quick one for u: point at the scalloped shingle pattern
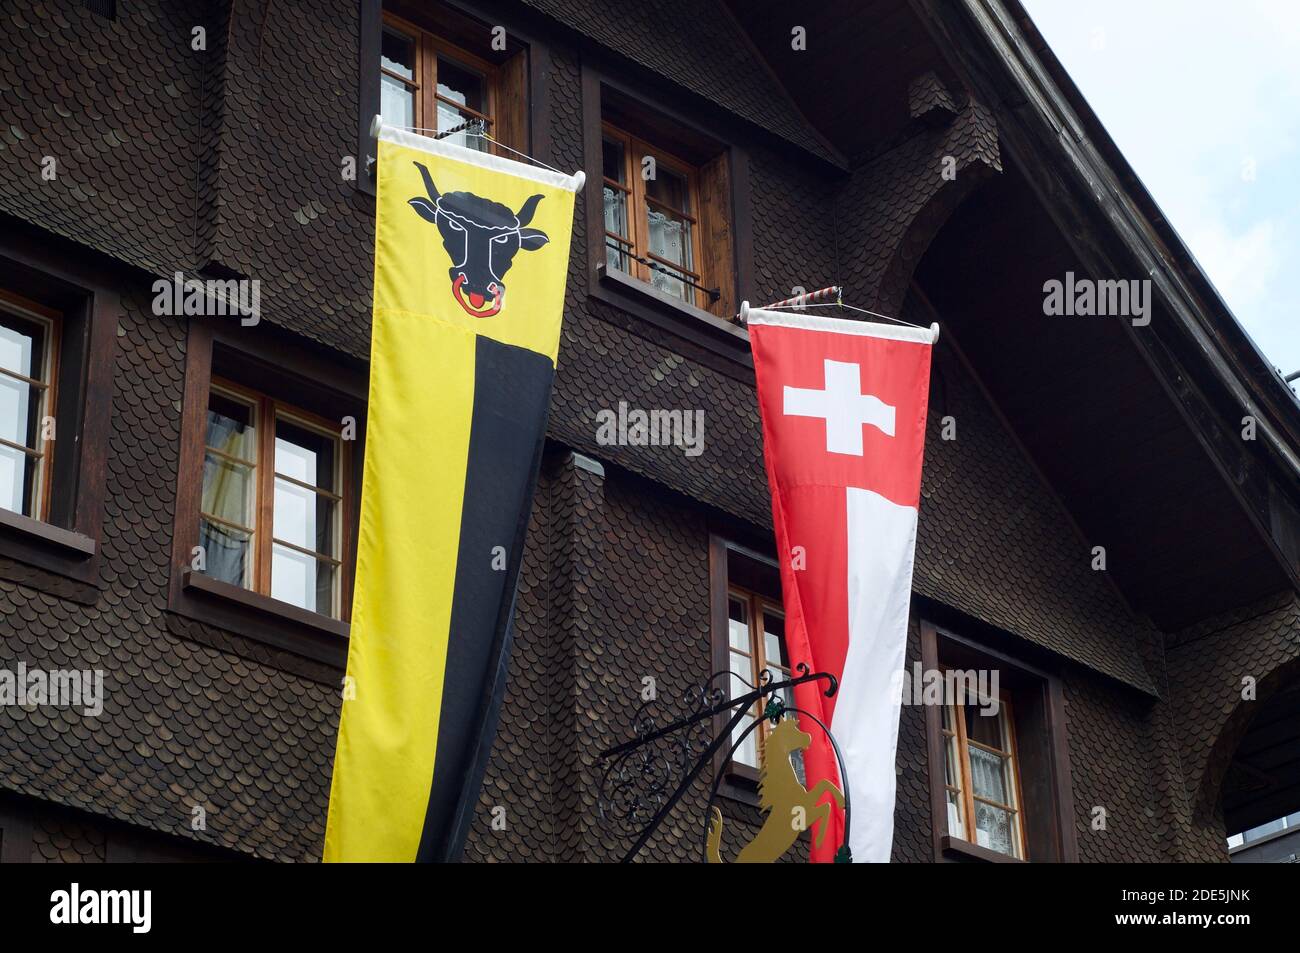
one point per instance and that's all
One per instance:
(57, 840)
(697, 45)
(1206, 667)
(183, 724)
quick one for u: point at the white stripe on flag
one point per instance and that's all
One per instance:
(881, 546)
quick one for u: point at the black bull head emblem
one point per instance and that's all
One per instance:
(481, 238)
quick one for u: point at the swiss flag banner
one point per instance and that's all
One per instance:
(843, 405)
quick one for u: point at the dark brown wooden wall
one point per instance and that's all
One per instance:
(172, 160)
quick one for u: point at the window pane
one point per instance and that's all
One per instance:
(668, 189)
(669, 239)
(618, 255)
(462, 87)
(228, 553)
(956, 826)
(304, 518)
(397, 54)
(19, 411)
(17, 481)
(616, 252)
(302, 580)
(986, 729)
(738, 625)
(670, 233)
(951, 768)
(396, 98)
(774, 638)
(747, 753)
(22, 346)
(22, 351)
(796, 759)
(230, 427)
(994, 829)
(613, 161)
(989, 776)
(305, 455)
(741, 669)
(228, 490)
(396, 102)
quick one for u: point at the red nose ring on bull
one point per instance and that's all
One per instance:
(475, 304)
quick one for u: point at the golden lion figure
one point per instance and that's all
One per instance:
(790, 806)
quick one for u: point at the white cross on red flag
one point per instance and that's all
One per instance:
(843, 405)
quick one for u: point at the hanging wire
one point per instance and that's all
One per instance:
(849, 307)
(475, 127)
(802, 302)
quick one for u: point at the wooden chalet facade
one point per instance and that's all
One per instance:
(930, 156)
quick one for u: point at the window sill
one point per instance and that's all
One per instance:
(739, 783)
(55, 540)
(672, 315)
(263, 619)
(954, 848)
(55, 560)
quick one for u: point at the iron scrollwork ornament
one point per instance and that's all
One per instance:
(646, 776)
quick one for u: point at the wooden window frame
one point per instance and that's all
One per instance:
(519, 76)
(757, 654)
(738, 781)
(428, 48)
(58, 550)
(1036, 718)
(967, 789)
(635, 151)
(268, 411)
(273, 364)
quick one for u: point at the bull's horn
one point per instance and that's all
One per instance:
(526, 211)
(428, 181)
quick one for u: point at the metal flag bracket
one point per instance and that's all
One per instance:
(830, 297)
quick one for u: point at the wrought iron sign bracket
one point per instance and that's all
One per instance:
(646, 776)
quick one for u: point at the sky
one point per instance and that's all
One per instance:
(1203, 99)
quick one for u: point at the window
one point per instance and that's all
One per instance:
(756, 643)
(747, 625)
(429, 66)
(58, 341)
(28, 346)
(272, 503)
(652, 216)
(663, 188)
(999, 775)
(982, 775)
(430, 85)
(265, 524)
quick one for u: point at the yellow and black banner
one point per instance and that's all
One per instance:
(471, 255)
